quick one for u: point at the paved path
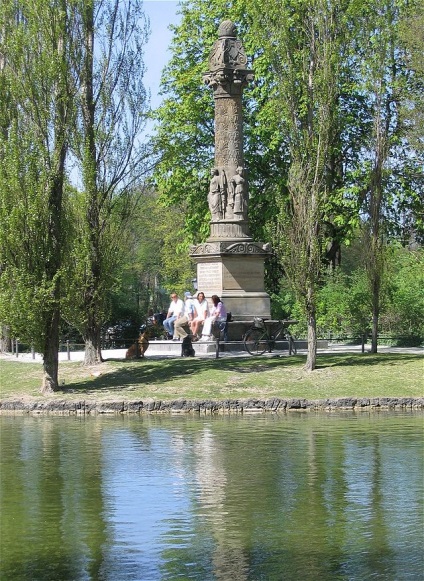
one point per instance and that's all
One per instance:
(153, 353)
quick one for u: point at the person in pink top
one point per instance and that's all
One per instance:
(217, 313)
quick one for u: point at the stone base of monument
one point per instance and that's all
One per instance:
(173, 348)
(243, 306)
(234, 270)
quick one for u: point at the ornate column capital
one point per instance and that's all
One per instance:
(227, 81)
(227, 73)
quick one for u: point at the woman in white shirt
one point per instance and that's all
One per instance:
(218, 313)
(202, 310)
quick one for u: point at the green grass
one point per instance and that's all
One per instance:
(337, 375)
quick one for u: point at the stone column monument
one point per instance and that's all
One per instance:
(230, 264)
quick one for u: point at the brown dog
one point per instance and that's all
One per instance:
(138, 349)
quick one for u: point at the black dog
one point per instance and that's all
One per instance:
(187, 347)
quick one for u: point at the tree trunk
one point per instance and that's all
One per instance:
(50, 382)
(311, 359)
(93, 352)
(375, 315)
(374, 334)
(5, 340)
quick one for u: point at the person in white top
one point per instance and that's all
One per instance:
(202, 310)
(217, 313)
(181, 324)
(176, 308)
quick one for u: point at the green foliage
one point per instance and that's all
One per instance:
(412, 38)
(25, 303)
(276, 36)
(345, 306)
(404, 312)
(78, 284)
(390, 174)
(185, 133)
(154, 260)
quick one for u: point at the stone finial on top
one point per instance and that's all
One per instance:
(227, 28)
(227, 52)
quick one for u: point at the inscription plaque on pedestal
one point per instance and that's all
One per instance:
(209, 277)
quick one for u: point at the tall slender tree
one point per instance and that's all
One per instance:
(111, 155)
(385, 81)
(6, 116)
(36, 45)
(303, 41)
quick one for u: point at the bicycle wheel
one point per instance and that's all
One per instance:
(256, 341)
(292, 345)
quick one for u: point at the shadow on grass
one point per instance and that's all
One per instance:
(163, 371)
(364, 359)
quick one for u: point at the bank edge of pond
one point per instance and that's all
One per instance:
(180, 406)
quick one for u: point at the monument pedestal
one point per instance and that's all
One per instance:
(234, 270)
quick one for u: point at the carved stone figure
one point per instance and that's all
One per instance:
(221, 196)
(224, 192)
(240, 195)
(214, 196)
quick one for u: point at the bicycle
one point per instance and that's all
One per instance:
(258, 337)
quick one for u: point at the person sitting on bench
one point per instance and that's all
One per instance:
(218, 313)
(176, 308)
(202, 310)
(182, 324)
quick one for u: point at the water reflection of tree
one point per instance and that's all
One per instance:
(52, 524)
(306, 498)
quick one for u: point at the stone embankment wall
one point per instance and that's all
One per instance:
(89, 407)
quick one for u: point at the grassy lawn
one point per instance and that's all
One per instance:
(337, 375)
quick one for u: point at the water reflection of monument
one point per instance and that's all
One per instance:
(229, 555)
(230, 264)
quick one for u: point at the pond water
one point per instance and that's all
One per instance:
(296, 496)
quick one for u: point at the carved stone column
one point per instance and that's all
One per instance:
(227, 76)
(230, 264)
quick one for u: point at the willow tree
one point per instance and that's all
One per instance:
(36, 48)
(111, 155)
